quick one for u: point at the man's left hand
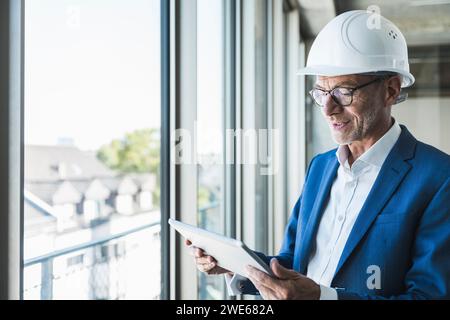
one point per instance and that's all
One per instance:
(288, 284)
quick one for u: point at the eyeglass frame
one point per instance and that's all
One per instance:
(352, 91)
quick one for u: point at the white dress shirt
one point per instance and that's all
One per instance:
(348, 194)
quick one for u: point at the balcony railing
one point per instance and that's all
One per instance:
(125, 265)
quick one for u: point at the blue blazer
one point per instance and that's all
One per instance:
(403, 226)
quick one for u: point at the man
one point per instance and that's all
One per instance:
(373, 220)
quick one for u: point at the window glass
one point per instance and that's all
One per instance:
(210, 106)
(92, 150)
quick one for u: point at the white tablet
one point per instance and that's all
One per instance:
(229, 253)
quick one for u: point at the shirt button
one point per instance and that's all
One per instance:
(340, 218)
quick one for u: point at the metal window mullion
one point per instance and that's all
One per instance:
(230, 117)
(11, 160)
(262, 97)
(279, 122)
(185, 174)
(238, 120)
(270, 125)
(248, 118)
(165, 147)
(173, 276)
(296, 112)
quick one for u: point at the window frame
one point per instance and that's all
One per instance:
(284, 90)
(177, 111)
(183, 197)
(166, 114)
(12, 14)
(285, 112)
(11, 160)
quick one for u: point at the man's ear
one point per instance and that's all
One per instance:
(393, 88)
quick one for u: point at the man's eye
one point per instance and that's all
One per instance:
(343, 92)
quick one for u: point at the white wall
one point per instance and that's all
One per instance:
(428, 119)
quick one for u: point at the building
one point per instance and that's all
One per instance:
(70, 199)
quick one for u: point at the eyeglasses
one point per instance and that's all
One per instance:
(343, 96)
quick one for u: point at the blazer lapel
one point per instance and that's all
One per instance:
(391, 175)
(315, 215)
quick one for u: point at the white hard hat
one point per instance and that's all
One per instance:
(358, 42)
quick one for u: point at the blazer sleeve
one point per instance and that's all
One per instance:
(429, 275)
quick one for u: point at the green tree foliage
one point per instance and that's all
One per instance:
(203, 196)
(137, 152)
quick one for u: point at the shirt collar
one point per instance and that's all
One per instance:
(377, 153)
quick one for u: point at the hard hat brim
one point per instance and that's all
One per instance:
(333, 71)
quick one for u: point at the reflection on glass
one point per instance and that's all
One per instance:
(91, 196)
(210, 99)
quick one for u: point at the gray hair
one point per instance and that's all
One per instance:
(402, 96)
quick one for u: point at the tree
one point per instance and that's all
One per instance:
(137, 152)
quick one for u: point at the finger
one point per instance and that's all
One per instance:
(192, 250)
(206, 267)
(198, 252)
(260, 277)
(205, 260)
(188, 242)
(217, 270)
(269, 286)
(265, 292)
(281, 272)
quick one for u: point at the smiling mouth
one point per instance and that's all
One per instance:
(340, 125)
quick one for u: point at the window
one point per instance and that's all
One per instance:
(92, 141)
(210, 129)
(224, 82)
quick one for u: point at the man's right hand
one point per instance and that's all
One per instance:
(205, 263)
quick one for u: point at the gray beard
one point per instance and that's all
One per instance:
(369, 120)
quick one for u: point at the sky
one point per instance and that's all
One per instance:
(210, 76)
(92, 70)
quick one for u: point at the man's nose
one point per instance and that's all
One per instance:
(329, 105)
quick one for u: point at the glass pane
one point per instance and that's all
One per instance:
(210, 105)
(92, 132)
